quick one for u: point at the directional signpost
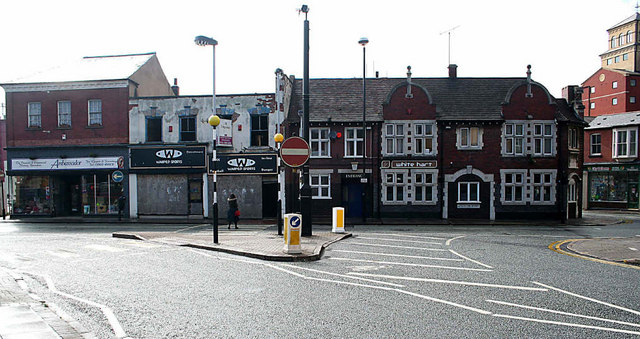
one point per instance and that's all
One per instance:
(295, 152)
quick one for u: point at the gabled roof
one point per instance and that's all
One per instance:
(340, 100)
(634, 17)
(615, 120)
(113, 67)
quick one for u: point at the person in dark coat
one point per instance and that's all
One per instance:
(233, 214)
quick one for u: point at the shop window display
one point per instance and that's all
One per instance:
(32, 196)
(100, 194)
(608, 186)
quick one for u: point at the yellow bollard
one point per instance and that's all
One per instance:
(338, 220)
(292, 230)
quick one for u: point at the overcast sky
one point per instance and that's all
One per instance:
(561, 39)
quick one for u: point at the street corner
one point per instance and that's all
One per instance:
(624, 252)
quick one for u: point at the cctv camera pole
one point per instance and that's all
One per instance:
(305, 191)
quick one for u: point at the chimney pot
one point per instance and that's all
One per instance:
(175, 88)
(453, 71)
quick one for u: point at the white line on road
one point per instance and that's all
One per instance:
(188, 228)
(355, 284)
(408, 236)
(397, 255)
(111, 317)
(448, 243)
(455, 282)
(566, 324)
(404, 247)
(587, 298)
(104, 248)
(413, 265)
(401, 240)
(343, 275)
(633, 248)
(473, 261)
(563, 313)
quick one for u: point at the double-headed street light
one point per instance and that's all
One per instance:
(214, 121)
(364, 42)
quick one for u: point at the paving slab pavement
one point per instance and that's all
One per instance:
(260, 243)
(620, 250)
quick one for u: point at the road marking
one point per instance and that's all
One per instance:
(105, 248)
(404, 247)
(63, 254)
(454, 282)
(408, 236)
(398, 255)
(401, 240)
(384, 288)
(555, 246)
(473, 261)
(344, 275)
(588, 298)
(189, 228)
(413, 265)
(633, 248)
(566, 324)
(111, 317)
(448, 243)
(563, 313)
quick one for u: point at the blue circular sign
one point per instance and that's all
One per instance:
(294, 222)
(117, 176)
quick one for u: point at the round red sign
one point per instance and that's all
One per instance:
(295, 152)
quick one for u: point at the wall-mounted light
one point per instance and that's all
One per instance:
(64, 136)
(354, 166)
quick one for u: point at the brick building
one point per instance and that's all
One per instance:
(482, 148)
(67, 133)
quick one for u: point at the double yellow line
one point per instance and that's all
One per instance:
(556, 248)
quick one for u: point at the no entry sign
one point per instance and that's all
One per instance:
(295, 152)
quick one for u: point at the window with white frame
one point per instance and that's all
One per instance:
(34, 114)
(95, 112)
(394, 135)
(632, 100)
(593, 89)
(614, 101)
(543, 139)
(423, 138)
(513, 186)
(573, 138)
(353, 142)
(469, 138)
(320, 185)
(424, 186)
(514, 138)
(64, 113)
(592, 105)
(320, 145)
(572, 195)
(394, 188)
(543, 188)
(468, 192)
(625, 143)
(596, 144)
(614, 84)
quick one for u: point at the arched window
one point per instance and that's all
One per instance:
(613, 42)
(629, 39)
(621, 39)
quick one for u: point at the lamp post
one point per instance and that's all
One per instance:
(364, 42)
(214, 121)
(305, 190)
(278, 138)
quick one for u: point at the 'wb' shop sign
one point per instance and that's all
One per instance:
(167, 157)
(244, 164)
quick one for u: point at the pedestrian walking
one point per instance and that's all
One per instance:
(121, 203)
(233, 214)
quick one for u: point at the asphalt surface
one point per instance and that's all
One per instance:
(391, 281)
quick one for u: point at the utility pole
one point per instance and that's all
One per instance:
(305, 191)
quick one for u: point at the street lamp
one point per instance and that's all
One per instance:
(364, 42)
(214, 121)
(278, 138)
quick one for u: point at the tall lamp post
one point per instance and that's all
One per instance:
(278, 138)
(364, 42)
(305, 190)
(214, 121)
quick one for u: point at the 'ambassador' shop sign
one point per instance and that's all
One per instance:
(167, 157)
(244, 164)
(67, 164)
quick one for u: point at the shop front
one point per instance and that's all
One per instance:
(613, 186)
(41, 185)
(168, 180)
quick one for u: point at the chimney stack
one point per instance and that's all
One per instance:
(175, 88)
(453, 71)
